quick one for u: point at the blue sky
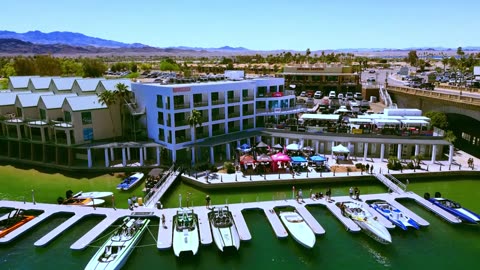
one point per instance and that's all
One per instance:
(260, 24)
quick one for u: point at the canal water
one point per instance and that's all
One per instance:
(439, 246)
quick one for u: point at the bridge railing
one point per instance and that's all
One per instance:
(396, 182)
(433, 94)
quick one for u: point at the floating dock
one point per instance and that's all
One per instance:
(165, 233)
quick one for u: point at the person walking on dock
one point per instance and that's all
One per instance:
(163, 221)
(207, 200)
(350, 192)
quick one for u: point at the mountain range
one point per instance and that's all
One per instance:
(68, 43)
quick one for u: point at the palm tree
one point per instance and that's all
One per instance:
(108, 98)
(195, 120)
(122, 94)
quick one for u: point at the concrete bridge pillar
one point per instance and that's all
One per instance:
(365, 152)
(434, 153)
(399, 151)
(107, 160)
(382, 152)
(89, 157)
(124, 158)
(450, 154)
(212, 155)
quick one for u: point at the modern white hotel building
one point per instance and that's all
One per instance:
(232, 110)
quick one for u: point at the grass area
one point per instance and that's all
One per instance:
(17, 185)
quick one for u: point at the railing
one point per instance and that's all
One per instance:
(396, 181)
(392, 186)
(437, 95)
(248, 98)
(295, 109)
(234, 100)
(156, 188)
(235, 114)
(218, 102)
(200, 104)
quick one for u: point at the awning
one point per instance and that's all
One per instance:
(330, 117)
(298, 159)
(264, 158)
(247, 159)
(293, 147)
(280, 157)
(340, 149)
(317, 158)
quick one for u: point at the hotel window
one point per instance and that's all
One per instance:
(214, 96)
(19, 112)
(245, 93)
(167, 103)
(273, 88)
(160, 118)
(197, 99)
(178, 100)
(280, 88)
(161, 134)
(43, 114)
(86, 118)
(159, 102)
(67, 116)
(88, 134)
(261, 91)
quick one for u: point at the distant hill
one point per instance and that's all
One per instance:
(220, 49)
(11, 46)
(67, 38)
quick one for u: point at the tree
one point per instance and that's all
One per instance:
(71, 67)
(122, 94)
(108, 98)
(416, 160)
(412, 58)
(195, 120)
(93, 68)
(307, 54)
(47, 65)
(438, 119)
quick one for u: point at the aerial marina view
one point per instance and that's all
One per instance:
(246, 144)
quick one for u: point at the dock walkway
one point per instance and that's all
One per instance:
(162, 189)
(435, 209)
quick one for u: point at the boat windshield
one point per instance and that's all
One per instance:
(185, 221)
(450, 204)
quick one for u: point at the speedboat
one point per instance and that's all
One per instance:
(77, 199)
(454, 208)
(224, 231)
(185, 232)
(300, 231)
(366, 221)
(115, 251)
(130, 181)
(94, 194)
(12, 221)
(396, 216)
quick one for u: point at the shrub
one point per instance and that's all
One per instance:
(228, 166)
(394, 163)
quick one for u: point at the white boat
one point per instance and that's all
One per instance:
(185, 232)
(366, 221)
(224, 231)
(115, 251)
(298, 228)
(130, 181)
(93, 194)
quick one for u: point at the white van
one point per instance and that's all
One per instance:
(318, 95)
(332, 94)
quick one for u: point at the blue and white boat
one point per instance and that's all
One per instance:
(454, 208)
(393, 214)
(130, 181)
(115, 251)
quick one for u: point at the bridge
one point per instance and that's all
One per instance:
(427, 100)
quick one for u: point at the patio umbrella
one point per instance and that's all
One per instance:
(264, 158)
(247, 159)
(244, 147)
(262, 145)
(307, 148)
(340, 149)
(278, 146)
(293, 147)
(317, 158)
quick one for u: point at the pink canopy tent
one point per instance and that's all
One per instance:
(247, 159)
(279, 158)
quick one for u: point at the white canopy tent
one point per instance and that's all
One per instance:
(330, 117)
(416, 123)
(340, 149)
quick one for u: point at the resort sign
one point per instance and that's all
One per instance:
(181, 89)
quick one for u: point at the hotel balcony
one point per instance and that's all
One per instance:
(200, 104)
(234, 100)
(180, 106)
(275, 111)
(247, 98)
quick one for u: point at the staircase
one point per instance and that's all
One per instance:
(392, 183)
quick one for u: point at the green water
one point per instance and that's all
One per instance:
(439, 246)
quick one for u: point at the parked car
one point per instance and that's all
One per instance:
(303, 94)
(332, 94)
(340, 96)
(427, 86)
(415, 84)
(357, 96)
(349, 95)
(371, 71)
(318, 95)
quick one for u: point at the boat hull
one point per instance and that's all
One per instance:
(5, 228)
(224, 235)
(185, 239)
(367, 222)
(394, 215)
(127, 246)
(130, 181)
(298, 228)
(460, 212)
(95, 195)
